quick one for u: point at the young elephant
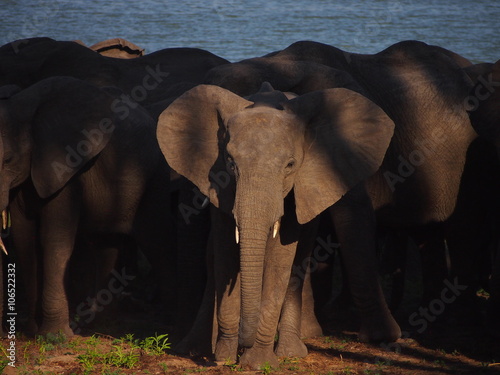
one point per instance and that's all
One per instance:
(269, 166)
(71, 166)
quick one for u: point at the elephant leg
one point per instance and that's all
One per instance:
(493, 309)
(280, 254)
(192, 236)
(201, 338)
(58, 227)
(353, 215)
(297, 315)
(23, 235)
(227, 285)
(309, 324)
(153, 231)
(431, 243)
(393, 263)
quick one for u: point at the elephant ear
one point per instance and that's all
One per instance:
(7, 91)
(71, 124)
(191, 134)
(346, 138)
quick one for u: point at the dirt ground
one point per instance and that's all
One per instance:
(440, 349)
(443, 337)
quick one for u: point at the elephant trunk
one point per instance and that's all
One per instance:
(252, 254)
(256, 210)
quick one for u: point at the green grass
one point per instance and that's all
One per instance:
(124, 353)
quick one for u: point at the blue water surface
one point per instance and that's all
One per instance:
(238, 29)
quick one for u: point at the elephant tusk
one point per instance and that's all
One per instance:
(276, 228)
(237, 234)
(5, 219)
(205, 202)
(2, 246)
(5, 226)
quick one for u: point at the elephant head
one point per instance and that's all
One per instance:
(247, 155)
(49, 132)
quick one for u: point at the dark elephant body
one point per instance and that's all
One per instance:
(73, 167)
(484, 108)
(145, 80)
(423, 90)
(247, 156)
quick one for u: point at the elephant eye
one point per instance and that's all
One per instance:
(8, 159)
(290, 165)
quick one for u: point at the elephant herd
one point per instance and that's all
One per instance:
(221, 174)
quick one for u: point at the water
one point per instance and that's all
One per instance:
(238, 29)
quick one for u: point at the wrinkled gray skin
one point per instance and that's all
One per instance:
(423, 90)
(247, 156)
(72, 167)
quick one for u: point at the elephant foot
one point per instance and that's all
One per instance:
(378, 328)
(290, 345)
(259, 357)
(55, 329)
(226, 349)
(193, 346)
(310, 327)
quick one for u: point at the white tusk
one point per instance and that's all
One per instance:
(2, 246)
(237, 234)
(205, 202)
(5, 219)
(276, 228)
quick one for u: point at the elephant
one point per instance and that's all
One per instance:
(144, 80)
(118, 48)
(74, 167)
(483, 105)
(269, 166)
(423, 89)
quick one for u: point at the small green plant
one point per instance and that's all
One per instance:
(3, 363)
(163, 366)
(290, 363)
(93, 341)
(440, 362)
(127, 339)
(155, 345)
(266, 368)
(89, 360)
(118, 357)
